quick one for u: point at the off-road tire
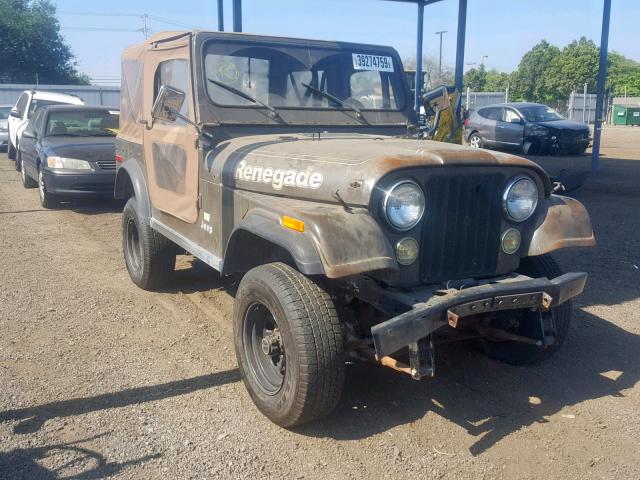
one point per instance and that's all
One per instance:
(47, 200)
(27, 181)
(311, 340)
(11, 150)
(475, 140)
(522, 354)
(150, 258)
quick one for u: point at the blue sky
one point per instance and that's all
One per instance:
(501, 29)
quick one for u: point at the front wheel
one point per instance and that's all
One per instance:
(47, 200)
(530, 324)
(150, 258)
(289, 344)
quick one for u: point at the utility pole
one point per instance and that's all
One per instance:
(145, 26)
(584, 103)
(441, 32)
(483, 58)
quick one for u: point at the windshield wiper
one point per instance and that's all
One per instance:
(342, 103)
(274, 113)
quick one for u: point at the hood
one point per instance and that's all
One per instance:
(304, 167)
(564, 125)
(83, 148)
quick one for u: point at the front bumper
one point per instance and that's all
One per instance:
(439, 310)
(74, 184)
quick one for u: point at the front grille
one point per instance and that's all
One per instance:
(106, 164)
(461, 235)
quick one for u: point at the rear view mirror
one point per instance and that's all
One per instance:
(437, 99)
(168, 104)
(14, 114)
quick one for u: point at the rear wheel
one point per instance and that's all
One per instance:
(11, 150)
(150, 258)
(529, 324)
(475, 140)
(288, 344)
(27, 181)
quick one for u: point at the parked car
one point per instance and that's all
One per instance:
(528, 127)
(27, 104)
(69, 151)
(4, 125)
(354, 239)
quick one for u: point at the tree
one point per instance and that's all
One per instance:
(476, 79)
(574, 66)
(528, 81)
(430, 67)
(31, 45)
(623, 72)
(497, 81)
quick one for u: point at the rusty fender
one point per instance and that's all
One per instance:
(566, 224)
(348, 241)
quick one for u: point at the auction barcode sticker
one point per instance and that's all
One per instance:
(378, 63)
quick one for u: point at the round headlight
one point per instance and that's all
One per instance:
(520, 198)
(404, 205)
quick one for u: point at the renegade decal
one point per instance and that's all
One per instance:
(279, 178)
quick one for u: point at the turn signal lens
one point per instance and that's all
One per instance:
(292, 223)
(407, 251)
(511, 241)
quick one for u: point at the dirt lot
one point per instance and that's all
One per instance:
(100, 379)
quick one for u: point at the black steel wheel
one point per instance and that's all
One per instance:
(529, 323)
(150, 258)
(289, 344)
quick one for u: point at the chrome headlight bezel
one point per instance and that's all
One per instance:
(422, 205)
(507, 191)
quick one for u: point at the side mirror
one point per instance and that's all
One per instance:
(14, 114)
(437, 99)
(30, 134)
(168, 104)
(516, 120)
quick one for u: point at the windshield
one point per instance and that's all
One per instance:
(4, 112)
(540, 113)
(35, 104)
(288, 76)
(98, 123)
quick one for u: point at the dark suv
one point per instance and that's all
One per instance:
(529, 127)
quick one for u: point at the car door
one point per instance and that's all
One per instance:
(29, 145)
(510, 131)
(170, 148)
(489, 123)
(17, 116)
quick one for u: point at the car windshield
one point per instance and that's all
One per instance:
(36, 104)
(4, 112)
(540, 113)
(95, 123)
(289, 76)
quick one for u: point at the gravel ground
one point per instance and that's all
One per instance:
(100, 379)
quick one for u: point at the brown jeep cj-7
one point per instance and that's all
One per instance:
(296, 165)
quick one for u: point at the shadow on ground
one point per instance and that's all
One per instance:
(31, 419)
(68, 461)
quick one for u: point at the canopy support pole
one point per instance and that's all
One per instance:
(221, 15)
(419, 77)
(237, 15)
(602, 77)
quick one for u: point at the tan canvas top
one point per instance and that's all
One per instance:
(132, 108)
